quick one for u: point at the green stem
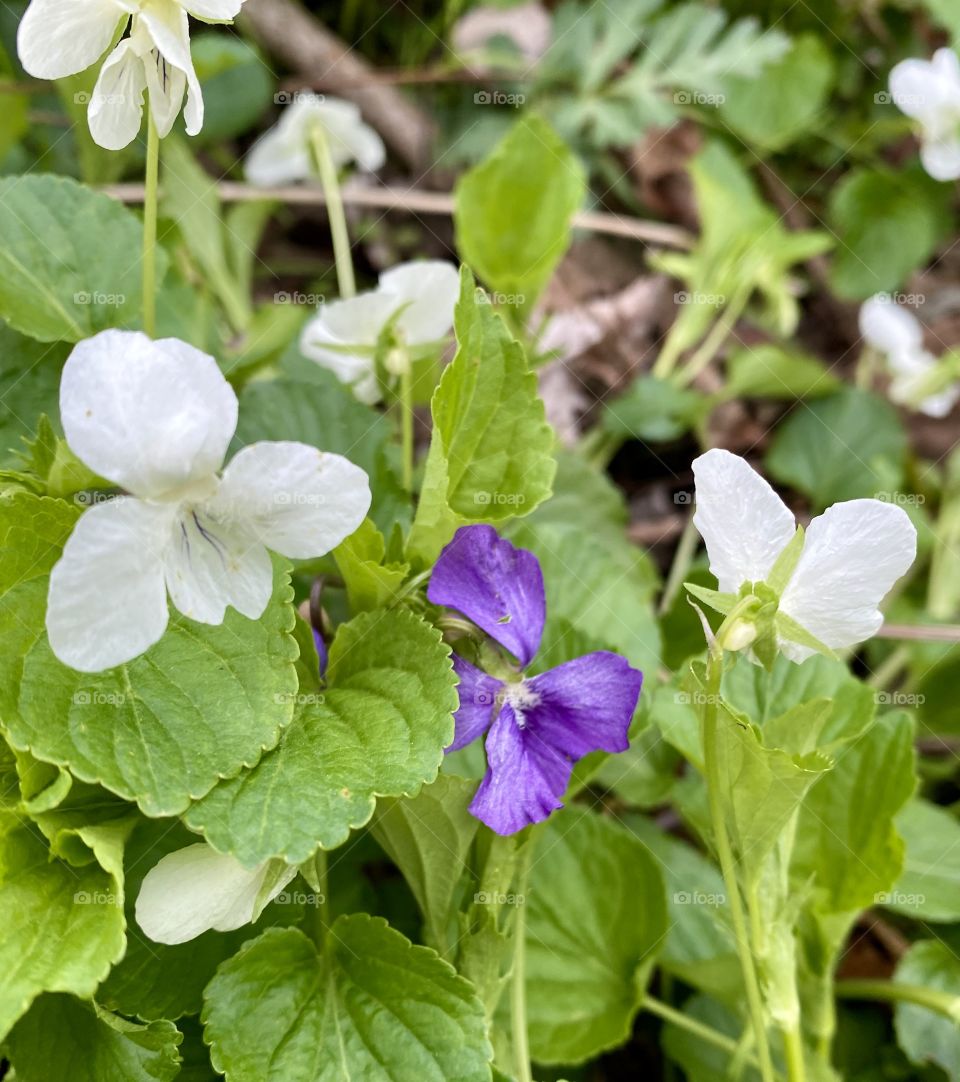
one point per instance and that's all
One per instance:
(151, 186)
(406, 423)
(728, 865)
(714, 340)
(691, 1025)
(338, 221)
(793, 1052)
(518, 976)
(682, 559)
(890, 668)
(892, 992)
(321, 912)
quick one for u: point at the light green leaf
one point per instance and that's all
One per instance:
(771, 371)
(845, 447)
(592, 939)
(926, 1036)
(654, 410)
(490, 456)
(929, 886)
(90, 1045)
(70, 263)
(378, 730)
(372, 1006)
(162, 729)
(63, 926)
(29, 387)
(846, 837)
(428, 838)
(888, 225)
(371, 583)
(238, 87)
(513, 211)
(772, 109)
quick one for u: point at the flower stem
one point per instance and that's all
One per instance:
(682, 559)
(151, 185)
(405, 396)
(892, 992)
(714, 340)
(683, 1021)
(793, 1051)
(320, 921)
(338, 221)
(518, 977)
(727, 863)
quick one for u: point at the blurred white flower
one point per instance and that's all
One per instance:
(852, 554)
(895, 332)
(57, 38)
(928, 91)
(196, 890)
(155, 418)
(419, 297)
(285, 154)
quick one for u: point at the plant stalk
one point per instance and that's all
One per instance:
(518, 976)
(346, 282)
(893, 992)
(151, 189)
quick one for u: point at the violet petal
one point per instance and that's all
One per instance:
(525, 777)
(496, 585)
(478, 693)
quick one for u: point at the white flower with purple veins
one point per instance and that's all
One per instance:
(156, 418)
(57, 38)
(928, 91)
(895, 332)
(825, 592)
(286, 153)
(413, 303)
(196, 890)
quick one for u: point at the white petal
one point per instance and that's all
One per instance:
(278, 157)
(167, 86)
(743, 521)
(357, 321)
(210, 564)
(195, 890)
(917, 88)
(115, 112)
(213, 11)
(888, 327)
(57, 38)
(429, 288)
(149, 416)
(853, 553)
(941, 157)
(348, 137)
(107, 601)
(296, 500)
(169, 29)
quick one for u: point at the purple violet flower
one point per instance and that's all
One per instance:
(537, 727)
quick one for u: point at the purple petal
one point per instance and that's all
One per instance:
(525, 777)
(585, 705)
(496, 585)
(322, 655)
(478, 693)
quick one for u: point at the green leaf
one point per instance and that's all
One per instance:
(513, 211)
(29, 387)
(490, 456)
(70, 261)
(846, 838)
(428, 838)
(238, 87)
(927, 1036)
(91, 1045)
(888, 224)
(372, 1006)
(371, 583)
(162, 729)
(63, 926)
(929, 887)
(771, 371)
(379, 730)
(592, 940)
(655, 410)
(844, 447)
(772, 109)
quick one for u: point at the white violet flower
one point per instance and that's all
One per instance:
(928, 91)
(419, 297)
(895, 332)
(156, 418)
(852, 554)
(196, 890)
(285, 154)
(57, 38)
